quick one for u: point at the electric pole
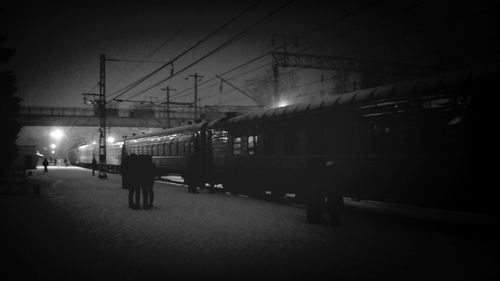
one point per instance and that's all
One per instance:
(286, 40)
(196, 77)
(167, 90)
(101, 103)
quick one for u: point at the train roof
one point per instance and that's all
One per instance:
(90, 145)
(176, 130)
(431, 86)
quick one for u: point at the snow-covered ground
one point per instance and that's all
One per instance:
(81, 228)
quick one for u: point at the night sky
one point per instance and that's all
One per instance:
(58, 44)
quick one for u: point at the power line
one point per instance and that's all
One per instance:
(228, 42)
(136, 83)
(165, 42)
(360, 27)
(320, 27)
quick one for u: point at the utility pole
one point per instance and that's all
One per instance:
(196, 77)
(286, 40)
(101, 103)
(167, 90)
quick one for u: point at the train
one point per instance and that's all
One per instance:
(82, 155)
(416, 142)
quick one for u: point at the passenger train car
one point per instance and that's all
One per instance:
(82, 155)
(415, 142)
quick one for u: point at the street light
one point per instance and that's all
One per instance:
(53, 146)
(57, 134)
(111, 139)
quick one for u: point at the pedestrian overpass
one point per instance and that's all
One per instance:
(149, 117)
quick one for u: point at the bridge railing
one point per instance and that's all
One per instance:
(56, 111)
(176, 112)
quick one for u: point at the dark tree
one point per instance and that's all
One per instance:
(9, 110)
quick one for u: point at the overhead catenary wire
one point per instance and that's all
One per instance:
(152, 53)
(357, 28)
(223, 45)
(320, 27)
(144, 78)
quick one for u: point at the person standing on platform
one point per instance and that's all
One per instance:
(94, 166)
(131, 180)
(45, 163)
(147, 181)
(324, 187)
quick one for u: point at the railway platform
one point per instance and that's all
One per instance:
(80, 228)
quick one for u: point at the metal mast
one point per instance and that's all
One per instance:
(101, 104)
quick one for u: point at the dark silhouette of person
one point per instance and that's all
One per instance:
(147, 173)
(192, 174)
(45, 163)
(131, 180)
(334, 197)
(323, 187)
(94, 166)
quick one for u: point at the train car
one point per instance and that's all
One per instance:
(82, 155)
(178, 151)
(415, 142)
(411, 142)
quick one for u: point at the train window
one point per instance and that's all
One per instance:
(269, 143)
(155, 149)
(160, 149)
(237, 146)
(174, 148)
(166, 149)
(220, 136)
(191, 147)
(182, 148)
(187, 148)
(291, 141)
(252, 145)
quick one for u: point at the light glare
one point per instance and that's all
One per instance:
(57, 134)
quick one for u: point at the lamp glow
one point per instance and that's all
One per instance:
(57, 134)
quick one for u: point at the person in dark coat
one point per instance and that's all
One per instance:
(323, 187)
(94, 166)
(45, 163)
(147, 181)
(130, 167)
